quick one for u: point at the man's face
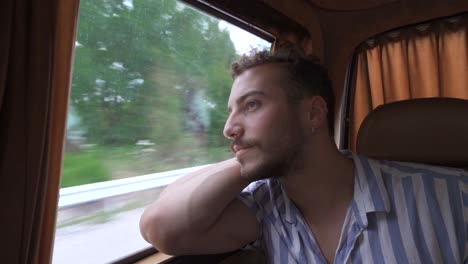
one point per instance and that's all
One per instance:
(264, 127)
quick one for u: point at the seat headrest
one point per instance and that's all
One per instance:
(427, 130)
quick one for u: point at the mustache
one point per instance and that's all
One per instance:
(242, 143)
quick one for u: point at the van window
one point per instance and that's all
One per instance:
(424, 60)
(149, 91)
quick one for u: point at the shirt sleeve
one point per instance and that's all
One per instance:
(253, 196)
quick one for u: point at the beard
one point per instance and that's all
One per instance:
(273, 162)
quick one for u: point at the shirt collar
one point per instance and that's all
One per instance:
(289, 210)
(370, 194)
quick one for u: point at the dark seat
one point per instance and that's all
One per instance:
(427, 130)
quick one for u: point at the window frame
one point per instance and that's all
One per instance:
(66, 28)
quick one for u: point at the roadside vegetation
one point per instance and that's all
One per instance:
(149, 90)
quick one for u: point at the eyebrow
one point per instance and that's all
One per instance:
(243, 97)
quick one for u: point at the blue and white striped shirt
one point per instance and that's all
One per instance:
(400, 213)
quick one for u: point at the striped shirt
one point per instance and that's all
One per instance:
(400, 213)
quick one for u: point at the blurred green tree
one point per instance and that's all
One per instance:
(140, 64)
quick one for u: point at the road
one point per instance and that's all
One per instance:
(99, 242)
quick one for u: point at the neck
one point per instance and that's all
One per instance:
(324, 184)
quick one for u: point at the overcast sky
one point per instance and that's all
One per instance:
(243, 40)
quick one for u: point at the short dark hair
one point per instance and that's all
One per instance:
(305, 72)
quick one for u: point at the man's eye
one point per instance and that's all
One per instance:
(252, 105)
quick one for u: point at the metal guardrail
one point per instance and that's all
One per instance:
(75, 195)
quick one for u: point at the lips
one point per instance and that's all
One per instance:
(237, 148)
(239, 152)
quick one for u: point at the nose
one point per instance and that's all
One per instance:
(233, 128)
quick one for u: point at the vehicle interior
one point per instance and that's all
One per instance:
(398, 67)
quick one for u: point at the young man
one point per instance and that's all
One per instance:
(300, 199)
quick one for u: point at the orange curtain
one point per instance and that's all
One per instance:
(31, 92)
(429, 60)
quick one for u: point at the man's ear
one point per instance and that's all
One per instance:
(317, 110)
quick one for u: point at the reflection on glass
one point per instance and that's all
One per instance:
(149, 92)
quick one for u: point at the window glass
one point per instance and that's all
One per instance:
(148, 103)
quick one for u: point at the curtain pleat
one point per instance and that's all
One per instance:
(423, 67)
(453, 54)
(429, 60)
(5, 24)
(27, 53)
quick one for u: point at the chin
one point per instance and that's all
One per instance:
(249, 169)
(258, 170)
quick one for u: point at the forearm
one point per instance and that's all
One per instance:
(192, 204)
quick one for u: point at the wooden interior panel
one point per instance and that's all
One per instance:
(64, 46)
(346, 5)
